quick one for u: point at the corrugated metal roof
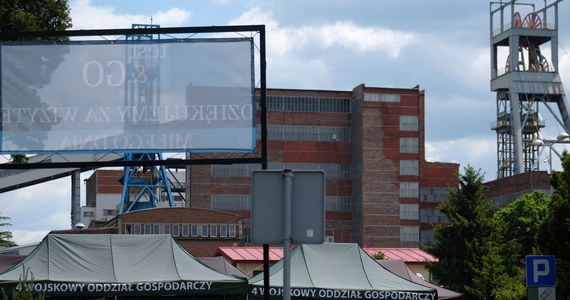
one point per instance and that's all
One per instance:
(255, 254)
(408, 255)
(249, 254)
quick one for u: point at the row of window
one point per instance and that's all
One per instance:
(306, 133)
(307, 104)
(332, 171)
(185, 230)
(331, 133)
(322, 104)
(243, 202)
(381, 97)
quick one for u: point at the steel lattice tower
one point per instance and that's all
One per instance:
(143, 187)
(524, 78)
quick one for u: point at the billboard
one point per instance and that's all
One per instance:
(188, 95)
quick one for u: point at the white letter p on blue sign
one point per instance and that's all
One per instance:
(540, 270)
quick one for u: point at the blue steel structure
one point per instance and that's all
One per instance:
(143, 186)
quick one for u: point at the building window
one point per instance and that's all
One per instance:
(230, 202)
(409, 189)
(204, 231)
(409, 145)
(194, 230)
(175, 230)
(434, 194)
(381, 97)
(307, 104)
(409, 211)
(223, 230)
(409, 233)
(332, 171)
(213, 230)
(128, 229)
(409, 123)
(109, 212)
(156, 229)
(88, 214)
(307, 133)
(409, 167)
(147, 229)
(334, 203)
(232, 232)
(426, 237)
(329, 239)
(166, 229)
(137, 229)
(185, 230)
(430, 215)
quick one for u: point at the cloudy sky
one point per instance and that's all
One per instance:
(441, 45)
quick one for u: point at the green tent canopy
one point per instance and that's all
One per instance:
(338, 271)
(117, 265)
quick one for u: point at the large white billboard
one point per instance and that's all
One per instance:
(192, 95)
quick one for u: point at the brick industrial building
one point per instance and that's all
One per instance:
(380, 190)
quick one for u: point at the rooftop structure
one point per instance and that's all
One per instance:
(525, 77)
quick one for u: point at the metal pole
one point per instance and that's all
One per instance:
(76, 198)
(288, 190)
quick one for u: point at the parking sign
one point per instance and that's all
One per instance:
(540, 270)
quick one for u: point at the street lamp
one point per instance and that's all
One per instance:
(550, 143)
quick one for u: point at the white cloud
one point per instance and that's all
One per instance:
(85, 15)
(343, 34)
(476, 151)
(24, 237)
(35, 210)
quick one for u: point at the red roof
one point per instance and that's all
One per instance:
(249, 254)
(255, 254)
(408, 255)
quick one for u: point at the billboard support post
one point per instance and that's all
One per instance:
(287, 192)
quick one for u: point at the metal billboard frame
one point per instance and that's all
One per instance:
(260, 29)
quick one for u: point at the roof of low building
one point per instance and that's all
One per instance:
(408, 255)
(255, 254)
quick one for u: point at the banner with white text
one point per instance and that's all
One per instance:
(189, 95)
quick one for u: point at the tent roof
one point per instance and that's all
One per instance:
(115, 264)
(7, 261)
(221, 264)
(399, 268)
(335, 270)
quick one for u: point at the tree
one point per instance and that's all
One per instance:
(5, 235)
(521, 222)
(515, 236)
(34, 15)
(555, 237)
(462, 245)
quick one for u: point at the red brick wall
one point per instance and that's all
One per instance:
(197, 246)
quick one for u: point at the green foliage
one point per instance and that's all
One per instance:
(34, 15)
(520, 224)
(19, 158)
(516, 236)
(24, 293)
(481, 253)
(555, 235)
(461, 245)
(5, 235)
(378, 255)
